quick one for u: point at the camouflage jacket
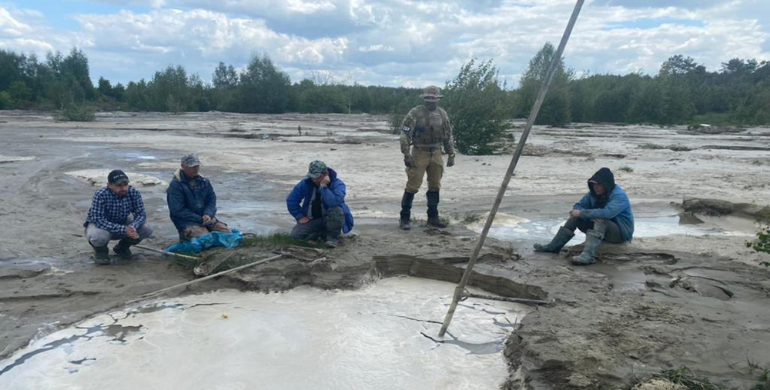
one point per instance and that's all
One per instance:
(426, 128)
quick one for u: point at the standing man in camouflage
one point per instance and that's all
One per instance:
(426, 129)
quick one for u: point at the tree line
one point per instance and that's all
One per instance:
(683, 91)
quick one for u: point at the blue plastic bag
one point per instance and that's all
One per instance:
(211, 240)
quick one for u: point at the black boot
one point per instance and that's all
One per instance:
(406, 211)
(122, 249)
(433, 219)
(101, 254)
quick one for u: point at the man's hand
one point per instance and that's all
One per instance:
(325, 181)
(132, 233)
(450, 162)
(574, 213)
(207, 220)
(304, 220)
(409, 161)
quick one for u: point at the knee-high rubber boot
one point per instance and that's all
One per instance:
(404, 222)
(594, 238)
(101, 254)
(123, 250)
(433, 219)
(562, 238)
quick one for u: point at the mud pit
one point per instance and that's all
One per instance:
(369, 338)
(681, 295)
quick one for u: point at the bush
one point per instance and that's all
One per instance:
(76, 113)
(475, 101)
(762, 244)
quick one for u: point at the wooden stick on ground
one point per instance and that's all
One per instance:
(179, 255)
(514, 161)
(161, 291)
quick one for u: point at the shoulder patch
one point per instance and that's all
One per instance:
(406, 128)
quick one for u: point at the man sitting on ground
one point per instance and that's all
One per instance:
(192, 202)
(604, 214)
(317, 202)
(108, 218)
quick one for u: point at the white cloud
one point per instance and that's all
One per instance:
(401, 42)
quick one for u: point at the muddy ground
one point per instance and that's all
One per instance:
(670, 298)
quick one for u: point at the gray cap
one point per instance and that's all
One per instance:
(316, 169)
(191, 160)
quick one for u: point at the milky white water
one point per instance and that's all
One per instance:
(510, 228)
(373, 338)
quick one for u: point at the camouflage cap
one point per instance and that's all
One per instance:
(316, 169)
(191, 160)
(431, 92)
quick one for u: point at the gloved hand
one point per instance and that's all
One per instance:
(409, 161)
(450, 162)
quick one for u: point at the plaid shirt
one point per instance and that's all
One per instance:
(110, 212)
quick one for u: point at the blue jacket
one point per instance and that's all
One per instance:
(187, 205)
(615, 206)
(333, 195)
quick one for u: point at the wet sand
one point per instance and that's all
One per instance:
(48, 281)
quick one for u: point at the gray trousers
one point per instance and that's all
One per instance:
(610, 229)
(100, 237)
(328, 227)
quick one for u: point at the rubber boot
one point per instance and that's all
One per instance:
(101, 254)
(433, 219)
(123, 248)
(404, 223)
(562, 238)
(593, 240)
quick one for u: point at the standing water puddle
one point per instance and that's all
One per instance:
(379, 337)
(512, 228)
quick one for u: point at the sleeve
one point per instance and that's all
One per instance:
(98, 218)
(584, 203)
(449, 139)
(407, 128)
(176, 205)
(293, 202)
(211, 201)
(336, 196)
(137, 208)
(615, 206)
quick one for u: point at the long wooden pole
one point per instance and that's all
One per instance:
(179, 255)
(519, 149)
(152, 294)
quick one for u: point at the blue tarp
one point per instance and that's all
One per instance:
(211, 240)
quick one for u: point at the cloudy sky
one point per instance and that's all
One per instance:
(385, 42)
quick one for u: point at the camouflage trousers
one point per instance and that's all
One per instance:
(425, 160)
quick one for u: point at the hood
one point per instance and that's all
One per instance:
(604, 177)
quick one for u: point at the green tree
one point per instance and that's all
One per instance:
(263, 87)
(322, 98)
(555, 110)
(475, 101)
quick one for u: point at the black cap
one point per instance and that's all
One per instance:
(117, 177)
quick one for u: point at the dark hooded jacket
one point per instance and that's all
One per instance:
(612, 205)
(188, 204)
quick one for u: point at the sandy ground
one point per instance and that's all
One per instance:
(50, 170)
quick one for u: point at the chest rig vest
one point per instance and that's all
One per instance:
(430, 128)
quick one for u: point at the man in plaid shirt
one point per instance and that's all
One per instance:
(108, 218)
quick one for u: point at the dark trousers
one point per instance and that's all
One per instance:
(327, 227)
(611, 229)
